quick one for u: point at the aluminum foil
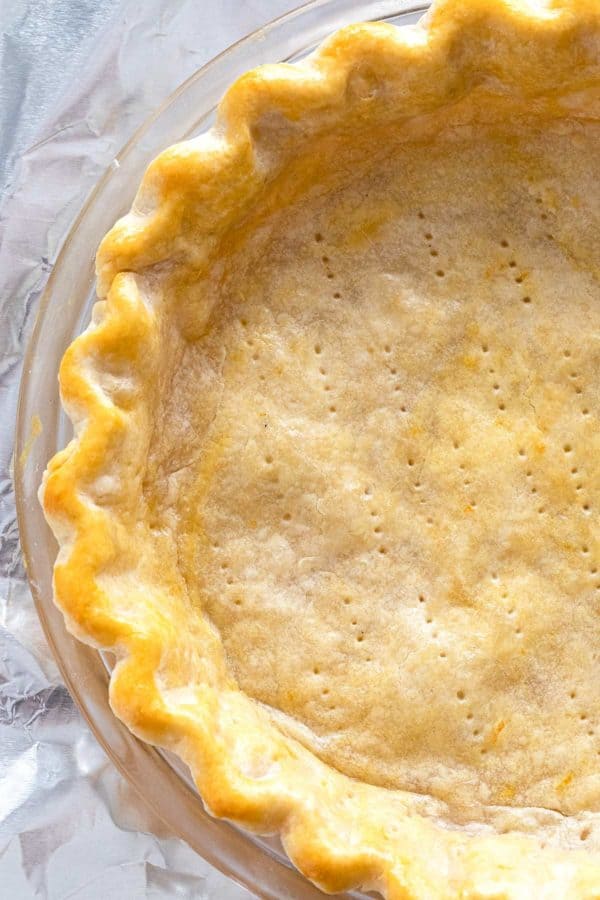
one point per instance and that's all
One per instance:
(76, 78)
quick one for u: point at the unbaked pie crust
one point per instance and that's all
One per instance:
(333, 493)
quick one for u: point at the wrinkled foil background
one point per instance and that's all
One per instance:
(77, 77)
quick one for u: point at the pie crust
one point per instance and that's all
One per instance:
(333, 491)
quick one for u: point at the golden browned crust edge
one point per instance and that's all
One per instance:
(341, 835)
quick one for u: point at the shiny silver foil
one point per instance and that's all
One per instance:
(76, 78)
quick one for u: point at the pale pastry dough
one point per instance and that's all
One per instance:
(334, 492)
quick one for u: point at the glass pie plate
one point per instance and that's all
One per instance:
(260, 864)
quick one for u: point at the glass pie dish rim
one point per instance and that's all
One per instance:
(261, 866)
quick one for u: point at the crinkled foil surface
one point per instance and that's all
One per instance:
(76, 78)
